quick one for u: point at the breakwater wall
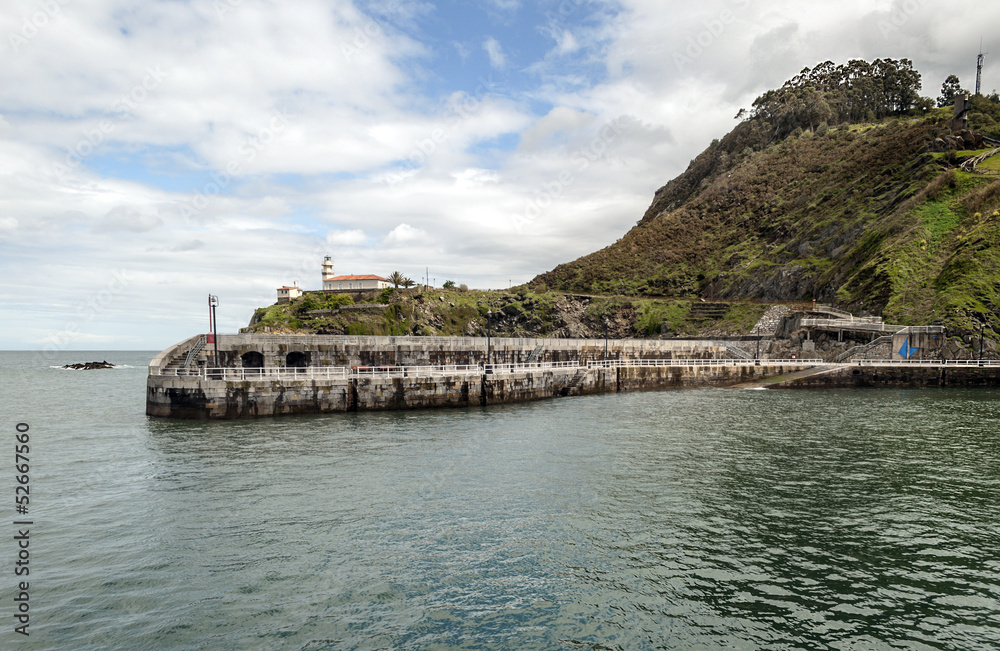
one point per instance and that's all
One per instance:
(257, 376)
(288, 351)
(874, 375)
(253, 397)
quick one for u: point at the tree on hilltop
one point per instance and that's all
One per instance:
(950, 89)
(396, 278)
(857, 91)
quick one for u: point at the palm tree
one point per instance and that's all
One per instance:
(397, 279)
(407, 283)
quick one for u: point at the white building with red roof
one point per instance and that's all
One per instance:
(346, 283)
(288, 294)
(355, 282)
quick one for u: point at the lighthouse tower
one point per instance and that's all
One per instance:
(327, 271)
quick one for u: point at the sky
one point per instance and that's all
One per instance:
(154, 152)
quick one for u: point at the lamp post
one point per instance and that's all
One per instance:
(213, 302)
(489, 317)
(982, 328)
(756, 356)
(604, 320)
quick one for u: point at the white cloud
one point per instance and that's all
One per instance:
(189, 245)
(252, 143)
(566, 42)
(404, 234)
(474, 178)
(353, 237)
(122, 218)
(495, 51)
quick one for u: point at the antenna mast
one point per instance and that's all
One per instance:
(979, 67)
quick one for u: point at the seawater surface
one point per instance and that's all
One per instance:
(695, 519)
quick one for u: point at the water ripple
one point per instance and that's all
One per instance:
(673, 520)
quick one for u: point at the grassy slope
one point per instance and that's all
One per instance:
(853, 215)
(520, 312)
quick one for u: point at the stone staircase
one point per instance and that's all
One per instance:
(863, 351)
(572, 388)
(737, 353)
(534, 354)
(707, 311)
(181, 362)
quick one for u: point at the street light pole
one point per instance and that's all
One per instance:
(605, 320)
(489, 316)
(213, 302)
(982, 328)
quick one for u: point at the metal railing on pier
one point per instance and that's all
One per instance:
(829, 309)
(932, 363)
(852, 324)
(870, 326)
(344, 372)
(852, 353)
(631, 363)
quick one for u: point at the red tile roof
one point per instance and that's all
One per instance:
(365, 277)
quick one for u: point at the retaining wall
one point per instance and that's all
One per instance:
(196, 397)
(333, 350)
(900, 376)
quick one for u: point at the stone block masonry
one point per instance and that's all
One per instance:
(203, 398)
(436, 372)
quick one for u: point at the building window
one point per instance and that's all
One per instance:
(340, 285)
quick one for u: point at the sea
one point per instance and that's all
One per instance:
(680, 519)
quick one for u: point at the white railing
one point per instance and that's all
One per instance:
(851, 354)
(916, 330)
(532, 366)
(628, 363)
(852, 324)
(829, 309)
(935, 363)
(344, 372)
(873, 326)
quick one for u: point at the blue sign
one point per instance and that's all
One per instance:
(905, 351)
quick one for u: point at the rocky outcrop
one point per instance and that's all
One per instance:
(89, 366)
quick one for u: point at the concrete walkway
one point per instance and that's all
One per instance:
(788, 378)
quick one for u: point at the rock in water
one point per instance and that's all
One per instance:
(88, 366)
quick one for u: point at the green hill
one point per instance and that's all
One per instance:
(839, 187)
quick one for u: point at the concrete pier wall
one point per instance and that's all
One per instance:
(185, 392)
(900, 376)
(198, 397)
(319, 350)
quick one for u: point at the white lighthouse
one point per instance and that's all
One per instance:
(327, 270)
